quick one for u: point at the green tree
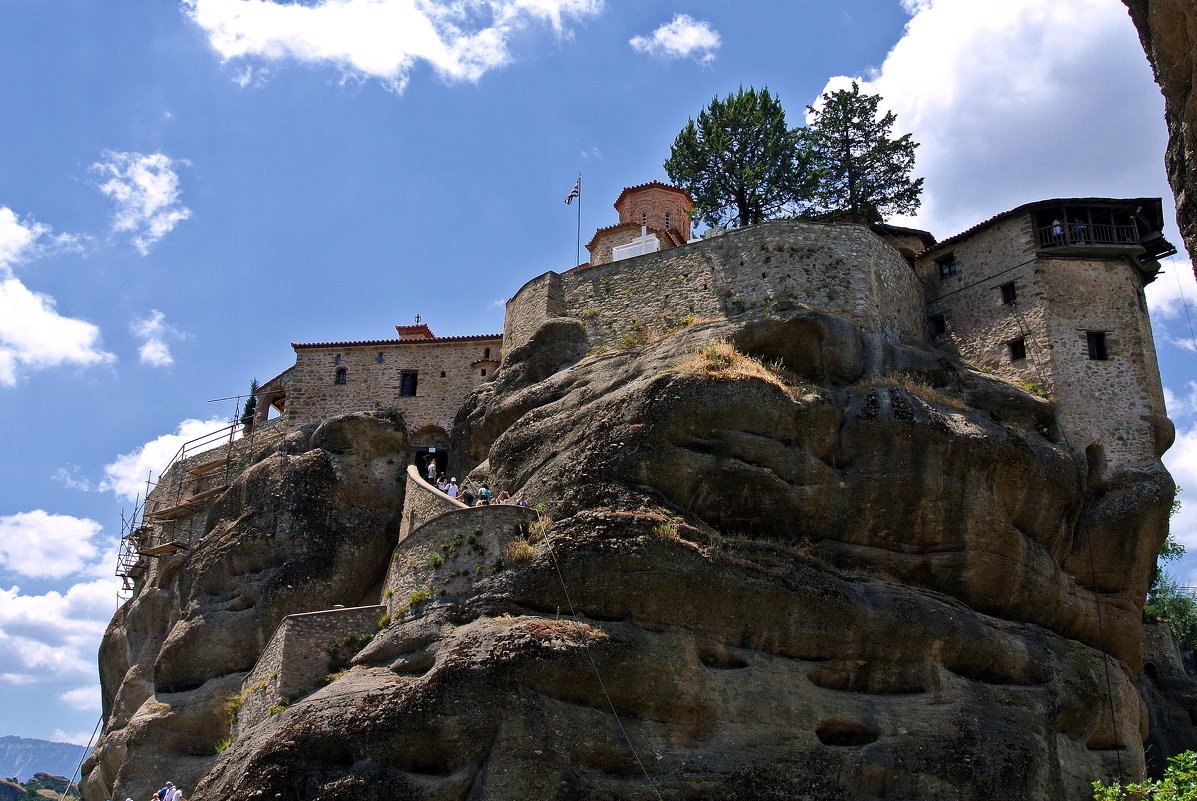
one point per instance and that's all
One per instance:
(740, 161)
(861, 170)
(1166, 602)
(1179, 784)
(251, 405)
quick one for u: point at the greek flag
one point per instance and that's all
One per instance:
(575, 192)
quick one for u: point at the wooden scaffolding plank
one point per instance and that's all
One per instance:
(164, 549)
(187, 504)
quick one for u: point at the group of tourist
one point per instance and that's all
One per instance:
(484, 496)
(168, 793)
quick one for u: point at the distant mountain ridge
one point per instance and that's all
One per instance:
(21, 757)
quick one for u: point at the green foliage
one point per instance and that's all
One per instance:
(251, 404)
(1175, 504)
(1179, 784)
(1167, 603)
(435, 560)
(859, 168)
(419, 597)
(224, 744)
(232, 705)
(1033, 388)
(740, 161)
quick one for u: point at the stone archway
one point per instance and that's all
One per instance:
(431, 443)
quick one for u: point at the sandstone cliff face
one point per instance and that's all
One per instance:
(309, 526)
(1168, 31)
(860, 571)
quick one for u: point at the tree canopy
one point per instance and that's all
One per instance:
(740, 161)
(861, 170)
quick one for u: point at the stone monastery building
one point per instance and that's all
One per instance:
(1048, 294)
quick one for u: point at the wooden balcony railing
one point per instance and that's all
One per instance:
(1074, 234)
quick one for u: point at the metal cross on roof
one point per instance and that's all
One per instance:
(417, 319)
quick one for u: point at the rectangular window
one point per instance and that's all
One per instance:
(947, 265)
(407, 384)
(1009, 294)
(1018, 349)
(1096, 341)
(937, 325)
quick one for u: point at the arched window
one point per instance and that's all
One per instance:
(486, 353)
(342, 376)
(442, 373)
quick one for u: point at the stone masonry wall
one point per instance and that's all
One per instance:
(979, 325)
(296, 658)
(845, 269)
(445, 371)
(1119, 402)
(537, 301)
(447, 556)
(423, 502)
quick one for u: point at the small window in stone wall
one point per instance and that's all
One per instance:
(1096, 341)
(666, 221)
(442, 373)
(342, 376)
(937, 324)
(1009, 294)
(1018, 349)
(337, 359)
(484, 372)
(407, 383)
(381, 357)
(486, 353)
(947, 266)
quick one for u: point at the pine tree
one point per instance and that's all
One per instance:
(861, 170)
(251, 406)
(740, 162)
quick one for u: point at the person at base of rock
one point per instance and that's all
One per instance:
(432, 470)
(442, 484)
(483, 496)
(504, 497)
(522, 499)
(452, 489)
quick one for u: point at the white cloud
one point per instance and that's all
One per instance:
(381, 39)
(52, 638)
(66, 477)
(72, 737)
(1021, 100)
(34, 336)
(85, 698)
(1181, 461)
(43, 545)
(17, 238)
(154, 332)
(126, 475)
(681, 37)
(145, 192)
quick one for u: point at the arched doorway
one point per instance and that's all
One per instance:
(430, 444)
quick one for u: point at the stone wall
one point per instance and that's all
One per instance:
(537, 301)
(1119, 402)
(445, 370)
(846, 269)
(423, 502)
(297, 658)
(447, 556)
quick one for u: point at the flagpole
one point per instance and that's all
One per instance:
(578, 240)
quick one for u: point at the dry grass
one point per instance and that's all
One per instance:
(518, 551)
(920, 389)
(667, 530)
(718, 359)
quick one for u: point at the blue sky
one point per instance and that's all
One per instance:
(186, 188)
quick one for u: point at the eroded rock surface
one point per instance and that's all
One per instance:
(310, 525)
(1168, 31)
(862, 571)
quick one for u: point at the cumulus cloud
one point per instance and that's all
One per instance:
(681, 37)
(126, 475)
(72, 737)
(380, 39)
(145, 193)
(1020, 100)
(154, 333)
(84, 698)
(52, 638)
(34, 336)
(42, 545)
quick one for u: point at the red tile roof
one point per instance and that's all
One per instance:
(652, 185)
(373, 342)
